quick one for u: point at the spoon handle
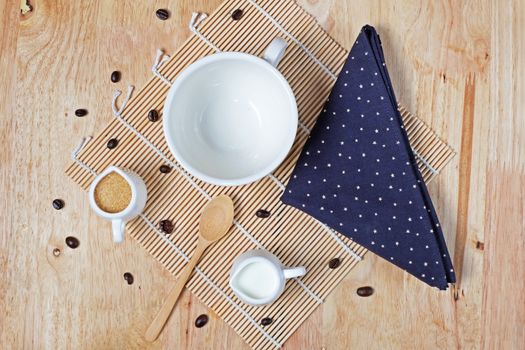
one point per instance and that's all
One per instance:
(164, 313)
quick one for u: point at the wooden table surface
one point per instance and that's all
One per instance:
(459, 65)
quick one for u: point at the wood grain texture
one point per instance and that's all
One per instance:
(458, 65)
(178, 198)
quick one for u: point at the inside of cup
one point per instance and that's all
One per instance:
(232, 118)
(113, 193)
(257, 280)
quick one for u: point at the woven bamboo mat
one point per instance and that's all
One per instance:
(311, 64)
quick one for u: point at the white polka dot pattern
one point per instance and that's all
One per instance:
(357, 172)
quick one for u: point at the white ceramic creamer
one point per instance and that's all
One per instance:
(257, 277)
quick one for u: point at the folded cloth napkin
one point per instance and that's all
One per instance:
(357, 172)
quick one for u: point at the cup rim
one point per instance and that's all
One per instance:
(271, 166)
(246, 298)
(94, 205)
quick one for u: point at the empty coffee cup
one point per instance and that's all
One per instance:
(118, 195)
(257, 277)
(231, 118)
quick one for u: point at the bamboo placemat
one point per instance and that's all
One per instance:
(311, 64)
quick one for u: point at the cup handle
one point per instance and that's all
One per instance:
(291, 272)
(118, 227)
(275, 51)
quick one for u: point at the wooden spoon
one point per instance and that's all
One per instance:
(216, 220)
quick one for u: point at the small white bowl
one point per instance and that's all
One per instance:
(230, 118)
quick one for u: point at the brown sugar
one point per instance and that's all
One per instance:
(113, 193)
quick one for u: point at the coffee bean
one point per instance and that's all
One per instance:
(334, 263)
(128, 277)
(365, 291)
(56, 252)
(115, 76)
(153, 115)
(72, 242)
(81, 112)
(166, 226)
(112, 143)
(237, 14)
(58, 204)
(201, 321)
(262, 213)
(266, 321)
(165, 169)
(162, 14)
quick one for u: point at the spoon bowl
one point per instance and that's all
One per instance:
(216, 218)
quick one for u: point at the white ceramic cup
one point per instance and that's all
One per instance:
(139, 196)
(231, 118)
(258, 278)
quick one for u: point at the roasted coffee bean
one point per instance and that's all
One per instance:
(266, 321)
(237, 14)
(72, 242)
(334, 263)
(365, 291)
(166, 226)
(115, 76)
(201, 321)
(58, 204)
(112, 143)
(165, 169)
(81, 112)
(262, 213)
(153, 115)
(56, 252)
(162, 14)
(128, 277)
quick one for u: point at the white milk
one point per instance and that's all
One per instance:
(257, 280)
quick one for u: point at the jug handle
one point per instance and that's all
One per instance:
(275, 51)
(118, 227)
(291, 272)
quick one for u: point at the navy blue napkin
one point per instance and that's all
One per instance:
(357, 172)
